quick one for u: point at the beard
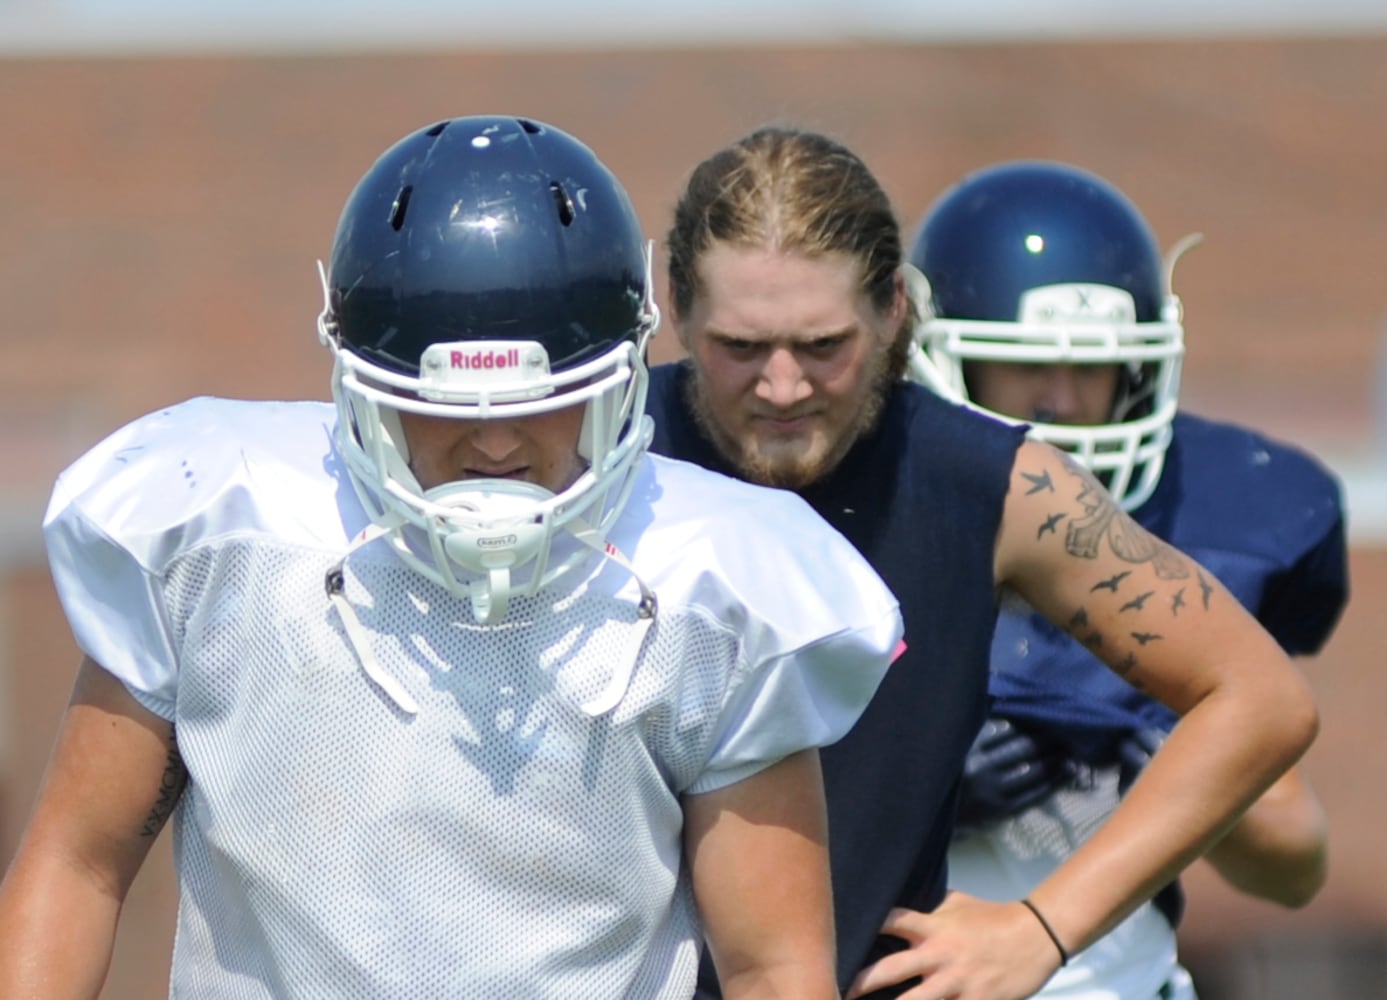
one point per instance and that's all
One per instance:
(795, 462)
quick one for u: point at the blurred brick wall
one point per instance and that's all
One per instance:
(160, 218)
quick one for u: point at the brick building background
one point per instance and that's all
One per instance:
(160, 218)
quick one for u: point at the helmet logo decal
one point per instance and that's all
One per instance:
(1077, 303)
(484, 359)
(483, 365)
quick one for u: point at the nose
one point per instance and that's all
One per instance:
(783, 383)
(1060, 402)
(495, 440)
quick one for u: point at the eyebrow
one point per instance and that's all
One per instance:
(799, 337)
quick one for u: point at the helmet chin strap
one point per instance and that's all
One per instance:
(493, 552)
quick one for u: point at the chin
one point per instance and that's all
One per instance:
(787, 465)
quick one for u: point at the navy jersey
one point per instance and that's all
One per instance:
(1265, 518)
(921, 497)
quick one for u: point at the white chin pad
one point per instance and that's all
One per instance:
(501, 529)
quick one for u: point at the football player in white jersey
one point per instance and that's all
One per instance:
(450, 689)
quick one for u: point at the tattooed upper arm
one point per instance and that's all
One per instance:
(1092, 569)
(171, 785)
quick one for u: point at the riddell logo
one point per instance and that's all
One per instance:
(484, 359)
(499, 541)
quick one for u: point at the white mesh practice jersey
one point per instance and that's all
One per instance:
(500, 841)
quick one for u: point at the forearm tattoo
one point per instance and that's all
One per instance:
(171, 785)
(1101, 520)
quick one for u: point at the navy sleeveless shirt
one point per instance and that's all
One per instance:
(921, 497)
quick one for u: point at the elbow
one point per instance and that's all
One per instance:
(1279, 855)
(1308, 871)
(1298, 893)
(1298, 886)
(1297, 720)
(1302, 725)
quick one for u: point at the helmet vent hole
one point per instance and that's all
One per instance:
(529, 126)
(562, 202)
(437, 130)
(397, 210)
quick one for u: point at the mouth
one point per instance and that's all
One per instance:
(520, 473)
(784, 423)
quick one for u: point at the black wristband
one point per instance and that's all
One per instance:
(1064, 955)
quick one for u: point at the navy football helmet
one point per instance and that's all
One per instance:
(1035, 261)
(489, 268)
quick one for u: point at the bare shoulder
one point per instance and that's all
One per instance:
(1071, 552)
(1052, 495)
